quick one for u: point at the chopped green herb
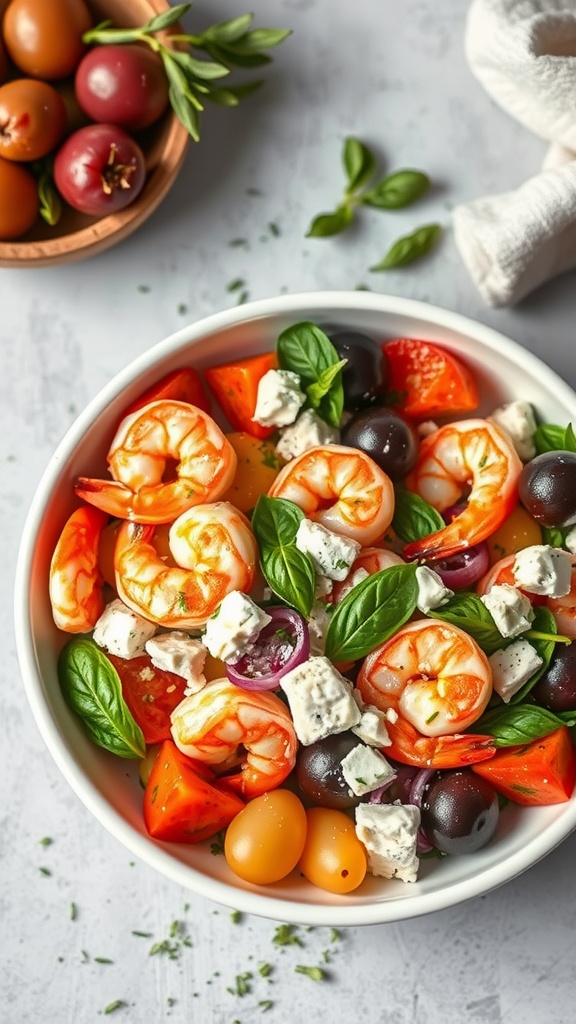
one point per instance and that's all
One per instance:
(360, 780)
(102, 960)
(236, 285)
(274, 229)
(182, 308)
(170, 1001)
(46, 841)
(116, 1005)
(316, 973)
(265, 970)
(285, 935)
(236, 243)
(44, 871)
(143, 288)
(254, 192)
(432, 717)
(73, 911)
(242, 984)
(142, 935)
(243, 297)
(335, 935)
(235, 917)
(217, 844)
(265, 1004)
(85, 957)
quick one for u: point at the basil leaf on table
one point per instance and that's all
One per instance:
(467, 611)
(371, 613)
(306, 350)
(397, 190)
(414, 518)
(517, 725)
(325, 225)
(287, 570)
(91, 687)
(359, 163)
(410, 248)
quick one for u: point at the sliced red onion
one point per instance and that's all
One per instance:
(375, 797)
(464, 568)
(418, 786)
(283, 644)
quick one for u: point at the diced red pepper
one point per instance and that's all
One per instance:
(427, 380)
(542, 772)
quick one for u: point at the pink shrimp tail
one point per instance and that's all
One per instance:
(439, 752)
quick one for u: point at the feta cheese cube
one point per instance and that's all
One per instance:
(570, 540)
(177, 652)
(511, 610)
(278, 399)
(389, 832)
(332, 554)
(517, 420)
(371, 728)
(122, 632)
(235, 625)
(365, 769)
(320, 699)
(512, 667)
(318, 623)
(307, 432)
(542, 569)
(431, 590)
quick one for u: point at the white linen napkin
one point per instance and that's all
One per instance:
(524, 54)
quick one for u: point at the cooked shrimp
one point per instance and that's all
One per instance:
(215, 552)
(368, 561)
(145, 444)
(471, 454)
(341, 488)
(434, 682)
(226, 727)
(76, 582)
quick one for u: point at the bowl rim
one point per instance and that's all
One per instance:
(263, 905)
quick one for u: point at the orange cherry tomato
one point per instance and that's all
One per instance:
(518, 531)
(44, 37)
(257, 468)
(18, 200)
(427, 380)
(183, 385)
(235, 387)
(32, 119)
(264, 842)
(333, 857)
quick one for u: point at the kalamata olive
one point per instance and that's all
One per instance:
(319, 774)
(365, 376)
(386, 436)
(547, 488)
(460, 811)
(556, 688)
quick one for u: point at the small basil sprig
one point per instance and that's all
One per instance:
(516, 725)
(306, 350)
(91, 687)
(549, 437)
(414, 518)
(229, 44)
(389, 193)
(372, 612)
(467, 611)
(288, 571)
(410, 248)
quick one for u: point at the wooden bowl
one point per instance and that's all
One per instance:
(77, 236)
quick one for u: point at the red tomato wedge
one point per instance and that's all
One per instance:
(181, 805)
(427, 380)
(540, 773)
(183, 385)
(235, 387)
(150, 693)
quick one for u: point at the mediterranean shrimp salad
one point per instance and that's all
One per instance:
(336, 632)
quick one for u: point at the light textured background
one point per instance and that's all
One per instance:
(394, 75)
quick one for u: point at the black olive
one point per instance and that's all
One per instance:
(365, 376)
(556, 688)
(319, 773)
(386, 436)
(460, 811)
(547, 488)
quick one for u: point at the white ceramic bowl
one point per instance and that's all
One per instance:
(107, 785)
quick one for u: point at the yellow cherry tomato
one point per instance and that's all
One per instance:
(265, 840)
(518, 531)
(258, 467)
(333, 857)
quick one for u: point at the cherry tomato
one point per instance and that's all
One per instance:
(18, 200)
(99, 169)
(151, 694)
(265, 840)
(518, 531)
(183, 385)
(44, 37)
(123, 85)
(32, 119)
(333, 857)
(427, 380)
(258, 467)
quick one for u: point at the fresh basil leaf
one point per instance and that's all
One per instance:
(570, 439)
(91, 687)
(167, 18)
(289, 572)
(228, 31)
(319, 388)
(327, 224)
(275, 522)
(304, 349)
(414, 518)
(545, 623)
(467, 611)
(371, 613)
(332, 405)
(517, 725)
(397, 190)
(548, 437)
(359, 163)
(555, 536)
(410, 248)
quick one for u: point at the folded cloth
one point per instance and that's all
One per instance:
(524, 54)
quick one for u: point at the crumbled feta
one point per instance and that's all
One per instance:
(318, 623)
(570, 540)
(279, 398)
(365, 769)
(389, 833)
(426, 428)
(320, 699)
(517, 420)
(512, 667)
(122, 632)
(234, 626)
(431, 590)
(331, 554)
(542, 569)
(308, 431)
(371, 728)
(177, 652)
(323, 587)
(511, 610)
